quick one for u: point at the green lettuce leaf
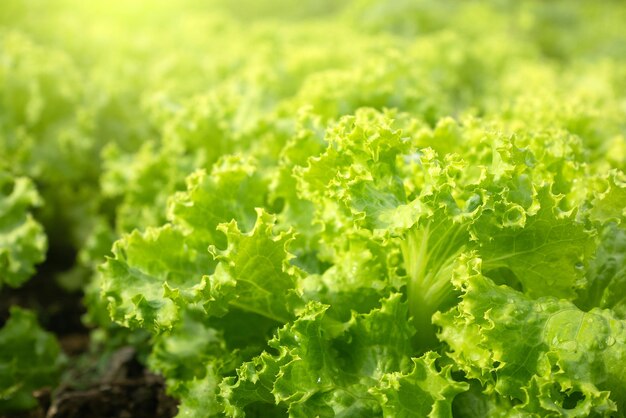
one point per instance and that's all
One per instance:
(545, 355)
(155, 273)
(326, 367)
(423, 392)
(23, 243)
(30, 359)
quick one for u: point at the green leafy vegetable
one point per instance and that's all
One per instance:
(30, 359)
(23, 243)
(546, 354)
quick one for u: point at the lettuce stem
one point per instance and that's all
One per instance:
(429, 253)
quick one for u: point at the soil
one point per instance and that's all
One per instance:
(125, 390)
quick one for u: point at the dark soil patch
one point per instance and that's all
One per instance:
(58, 310)
(125, 390)
(95, 385)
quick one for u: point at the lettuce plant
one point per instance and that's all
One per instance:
(487, 256)
(22, 240)
(30, 358)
